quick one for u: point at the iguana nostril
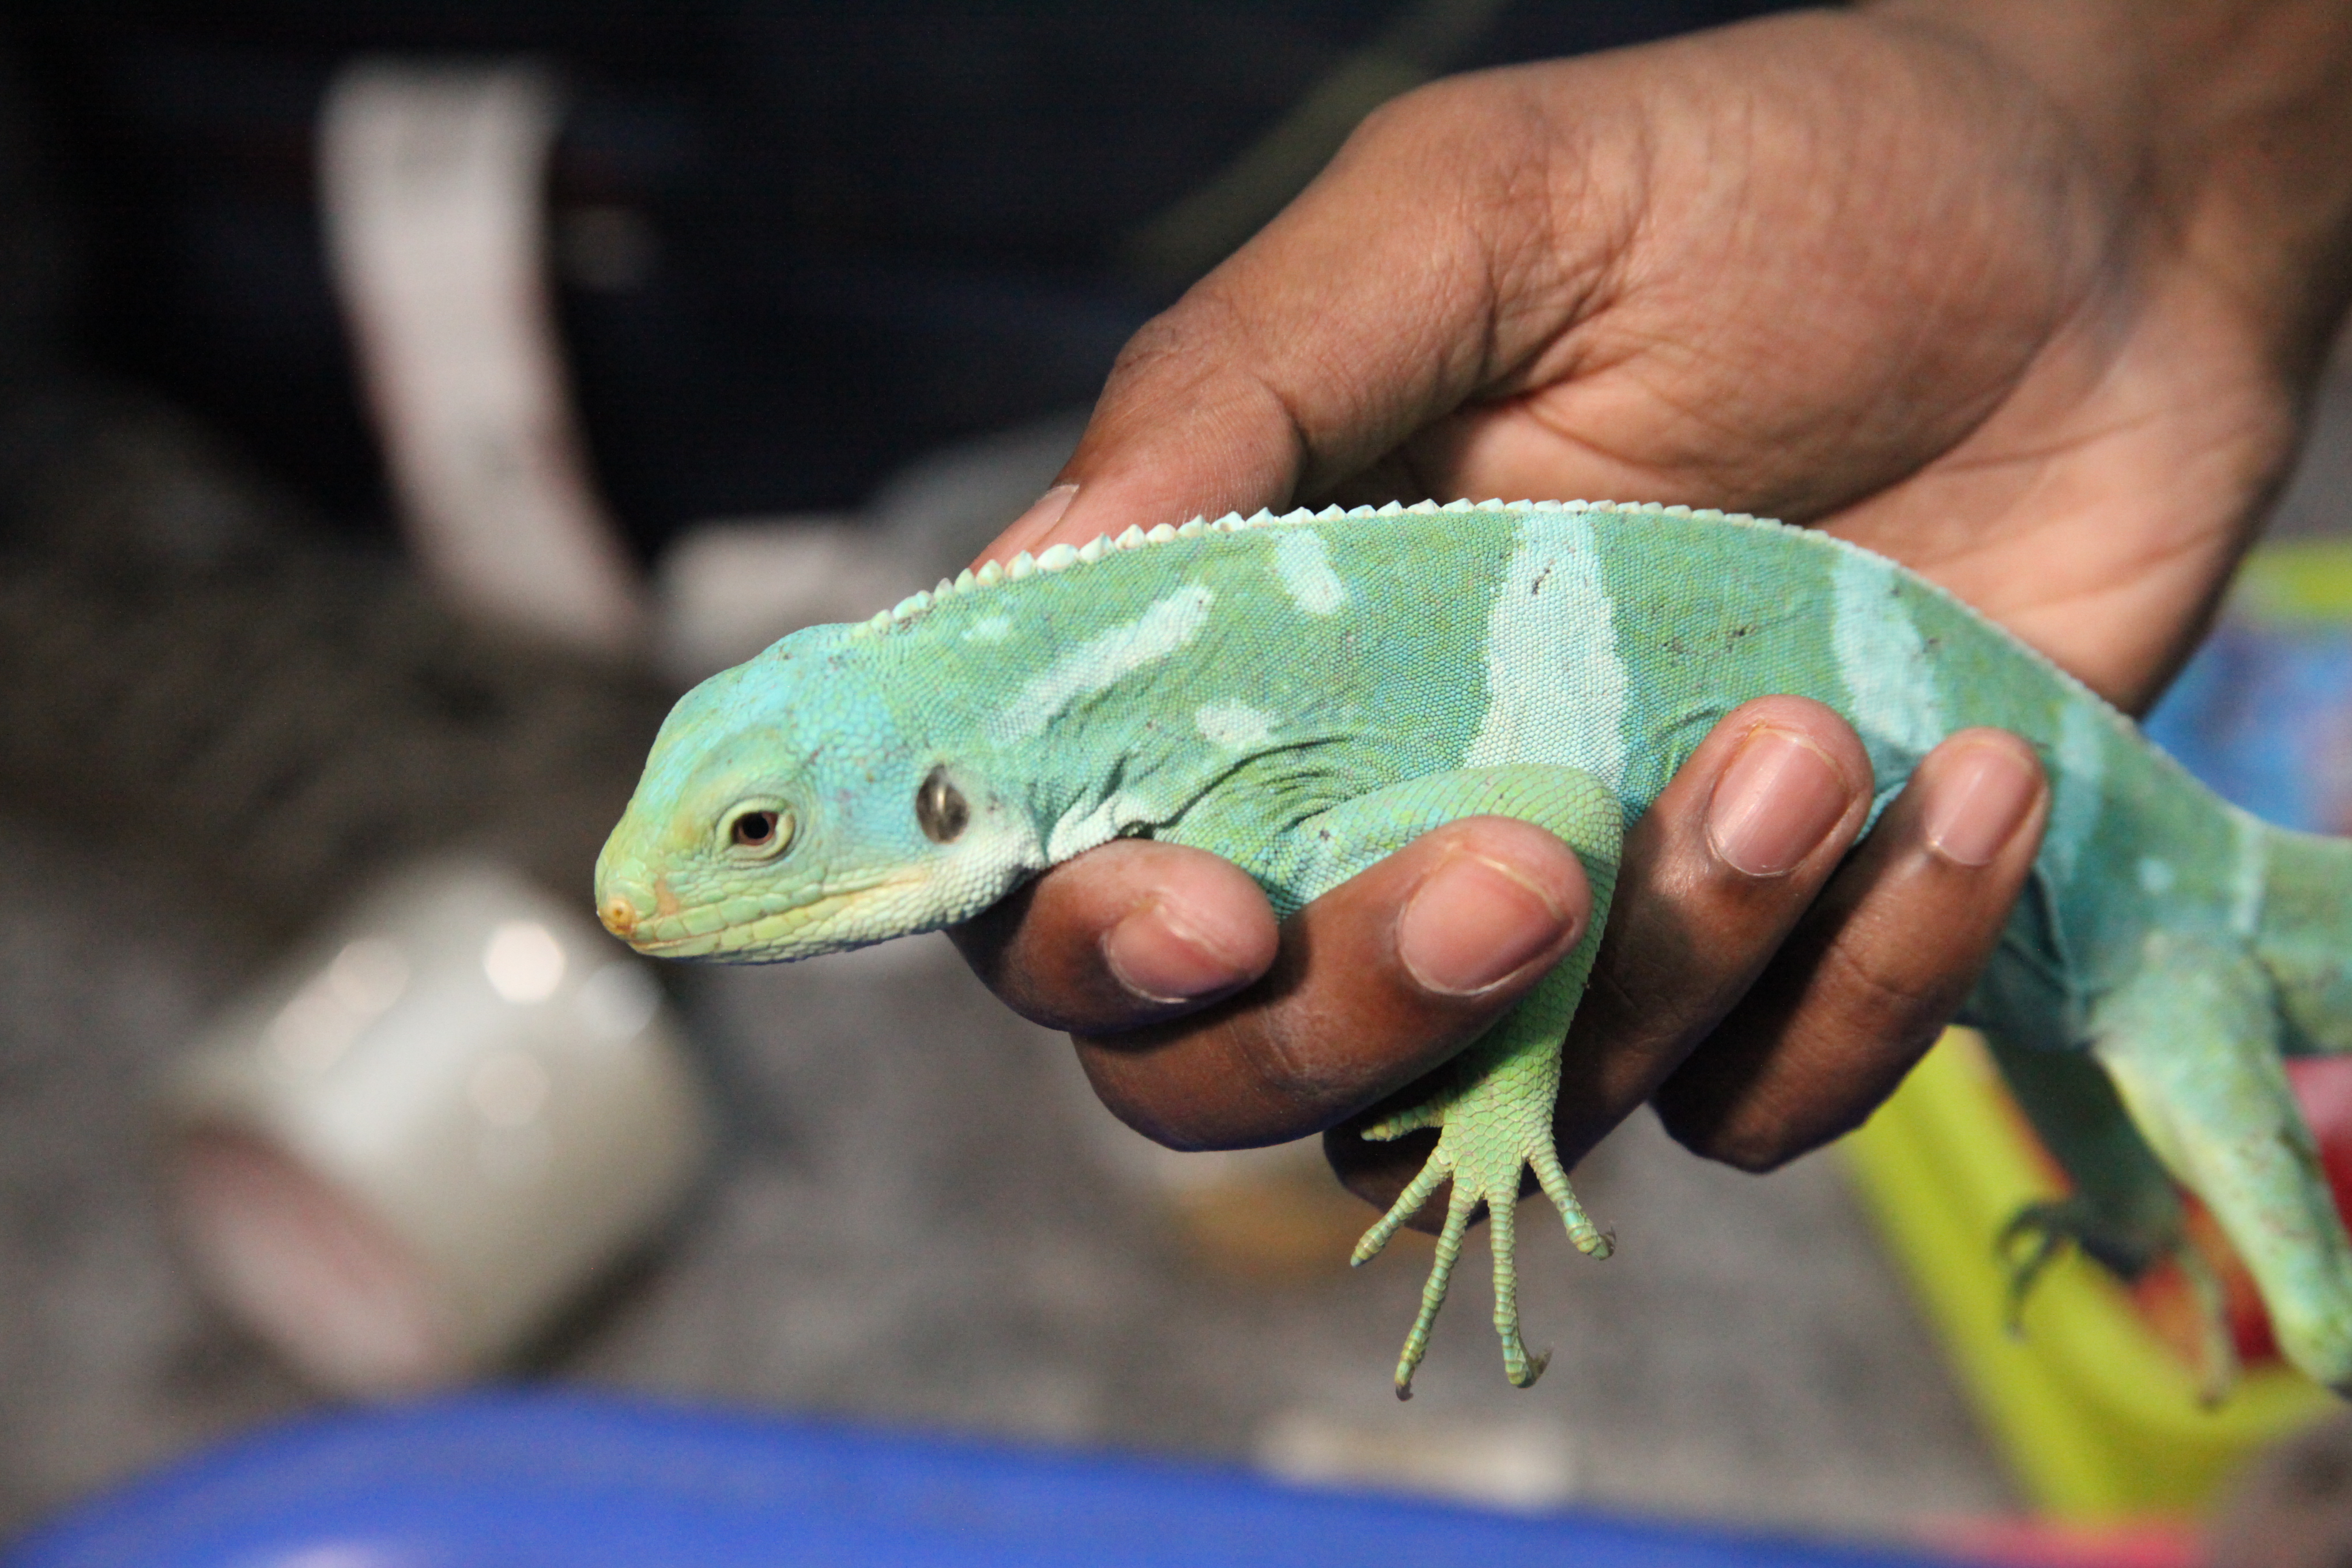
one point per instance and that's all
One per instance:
(619, 915)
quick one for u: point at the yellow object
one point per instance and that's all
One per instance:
(2296, 580)
(2096, 1415)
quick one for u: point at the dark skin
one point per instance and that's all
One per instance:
(2027, 296)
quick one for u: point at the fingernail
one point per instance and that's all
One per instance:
(1158, 957)
(1977, 804)
(1474, 922)
(1776, 802)
(1038, 521)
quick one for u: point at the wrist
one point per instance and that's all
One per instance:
(2223, 126)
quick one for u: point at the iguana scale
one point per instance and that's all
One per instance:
(1305, 694)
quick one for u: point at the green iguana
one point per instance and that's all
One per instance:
(1304, 694)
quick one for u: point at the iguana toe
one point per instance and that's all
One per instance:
(1484, 1167)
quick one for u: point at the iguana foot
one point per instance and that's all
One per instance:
(2035, 1236)
(1483, 1160)
(2038, 1234)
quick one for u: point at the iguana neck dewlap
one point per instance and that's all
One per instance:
(1305, 694)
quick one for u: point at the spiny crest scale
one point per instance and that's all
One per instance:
(1060, 557)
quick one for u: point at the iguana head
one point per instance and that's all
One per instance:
(785, 813)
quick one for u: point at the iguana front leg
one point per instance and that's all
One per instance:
(1494, 1107)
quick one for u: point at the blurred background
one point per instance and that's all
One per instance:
(399, 404)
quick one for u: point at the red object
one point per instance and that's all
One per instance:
(2322, 1085)
(2037, 1543)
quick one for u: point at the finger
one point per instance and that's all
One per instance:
(1128, 934)
(1877, 967)
(1726, 863)
(1373, 985)
(1413, 271)
(1715, 874)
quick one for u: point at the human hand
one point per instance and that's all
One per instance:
(1911, 276)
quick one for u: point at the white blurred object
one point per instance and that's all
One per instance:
(1527, 1464)
(726, 589)
(432, 181)
(402, 1156)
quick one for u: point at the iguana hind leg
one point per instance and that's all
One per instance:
(2038, 1235)
(2191, 1042)
(2124, 1212)
(1494, 1110)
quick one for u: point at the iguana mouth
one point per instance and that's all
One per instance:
(771, 928)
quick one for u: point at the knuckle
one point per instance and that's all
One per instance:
(1157, 1097)
(1478, 136)
(1166, 338)
(1862, 984)
(1753, 1137)
(1236, 1082)
(1890, 976)
(1300, 1086)
(1754, 1152)
(1731, 1120)
(1409, 117)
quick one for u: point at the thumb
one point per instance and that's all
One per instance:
(1367, 309)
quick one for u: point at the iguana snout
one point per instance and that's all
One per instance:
(628, 902)
(619, 914)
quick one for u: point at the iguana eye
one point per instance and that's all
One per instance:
(759, 833)
(940, 808)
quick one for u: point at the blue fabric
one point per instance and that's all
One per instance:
(579, 1480)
